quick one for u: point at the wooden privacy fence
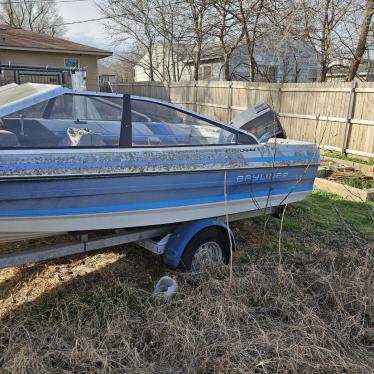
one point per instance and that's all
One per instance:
(337, 116)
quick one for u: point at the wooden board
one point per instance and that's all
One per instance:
(349, 193)
(368, 170)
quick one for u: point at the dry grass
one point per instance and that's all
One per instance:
(312, 313)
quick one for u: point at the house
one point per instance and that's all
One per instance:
(25, 47)
(289, 61)
(338, 70)
(169, 64)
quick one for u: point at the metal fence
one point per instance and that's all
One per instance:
(35, 74)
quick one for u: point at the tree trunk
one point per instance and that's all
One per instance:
(151, 69)
(325, 41)
(197, 61)
(251, 68)
(362, 39)
(197, 64)
(323, 74)
(226, 66)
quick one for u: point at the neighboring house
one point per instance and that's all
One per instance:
(338, 71)
(291, 61)
(24, 47)
(168, 65)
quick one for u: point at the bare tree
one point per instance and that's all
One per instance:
(172, 30)
(249, 13)
(362, 40)
(117, 66)
(168, 37)
(271, 28)
(132, 25)
(199, 30)
(228, 31)
(322, 22)
(154, 33)
(34, 15)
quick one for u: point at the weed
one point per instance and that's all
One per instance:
(361, 183)
(314, 312)
(340, 156)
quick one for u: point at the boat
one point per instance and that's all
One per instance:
(77, 161)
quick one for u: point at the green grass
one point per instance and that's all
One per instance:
(318, 214)
(349, 158)
(361, 183)
(322, 218)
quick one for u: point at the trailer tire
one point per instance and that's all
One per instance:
(211, 240)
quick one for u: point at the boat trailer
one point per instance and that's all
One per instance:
(170, 240)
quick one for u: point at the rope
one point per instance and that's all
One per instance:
(228, 225)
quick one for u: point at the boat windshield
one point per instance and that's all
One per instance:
(12, 94)
(73, 120)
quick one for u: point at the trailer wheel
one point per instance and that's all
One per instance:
(209, 245)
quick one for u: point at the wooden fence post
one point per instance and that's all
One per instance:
(348, 118)
(194, 96)
(168, 90)
(279, 109)
(229, 102)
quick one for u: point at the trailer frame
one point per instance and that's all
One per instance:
(144, 237)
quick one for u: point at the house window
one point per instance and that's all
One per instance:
(272, 73)
(312, 76)
(205, 72)
(267, 73)
(71, 63)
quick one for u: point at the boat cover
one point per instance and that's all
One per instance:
(7, 86)
(16, 97)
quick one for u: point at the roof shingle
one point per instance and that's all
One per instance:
(28, 40)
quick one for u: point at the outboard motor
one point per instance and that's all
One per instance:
(260, 120)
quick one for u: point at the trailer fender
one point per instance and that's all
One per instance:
(184, 233)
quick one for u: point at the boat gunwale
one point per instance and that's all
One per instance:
(158, 148)
(148, 173)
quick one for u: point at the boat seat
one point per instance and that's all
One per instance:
(30, 132)
(8, 139)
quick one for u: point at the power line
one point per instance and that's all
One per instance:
(85, 20)
(90, 20)
(109, 17)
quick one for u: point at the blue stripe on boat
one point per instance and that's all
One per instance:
(158, 186)
(151, 205)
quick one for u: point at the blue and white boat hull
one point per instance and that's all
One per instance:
(75, 190)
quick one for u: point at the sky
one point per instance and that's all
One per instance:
(90, 33)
